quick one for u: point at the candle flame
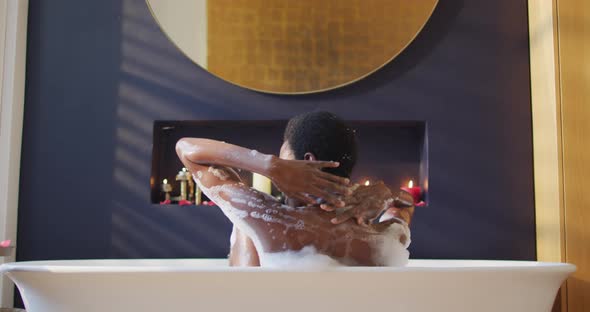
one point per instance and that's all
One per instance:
(165, 181)
(367, 183)
(411, 184)
(184, 169)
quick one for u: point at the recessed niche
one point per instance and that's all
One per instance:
(392, 151)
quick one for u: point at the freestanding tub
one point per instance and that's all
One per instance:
(212, 286)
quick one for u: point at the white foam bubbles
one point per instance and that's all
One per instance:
(390, 250)
(233, 237)
(238, 200)
(306, 258)
(219, 173)
(299, 225)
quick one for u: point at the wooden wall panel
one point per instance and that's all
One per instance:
(546, 114)
(574, 49)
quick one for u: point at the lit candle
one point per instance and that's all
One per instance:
(261, 183)
(166, 188)
(181, 176)
(367, 183)
(415, 191)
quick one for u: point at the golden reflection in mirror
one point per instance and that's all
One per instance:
(291, 46)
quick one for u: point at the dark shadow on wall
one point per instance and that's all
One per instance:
(68, 135)
(156, 82)
(73, 57)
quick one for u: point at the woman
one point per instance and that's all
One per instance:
(316, 222)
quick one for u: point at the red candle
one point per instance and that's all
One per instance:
(415, 191)
(184, 202)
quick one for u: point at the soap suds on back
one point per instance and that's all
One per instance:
(391, 252)
(387, 248)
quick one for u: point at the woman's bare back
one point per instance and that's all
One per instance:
(277, 228)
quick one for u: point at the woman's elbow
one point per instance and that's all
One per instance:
(186, 149)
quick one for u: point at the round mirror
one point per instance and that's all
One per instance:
(291, 46)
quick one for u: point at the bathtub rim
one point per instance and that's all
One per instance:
(203, 265)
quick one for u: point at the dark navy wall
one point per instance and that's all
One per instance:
(100, 72)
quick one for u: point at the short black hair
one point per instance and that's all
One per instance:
(326, 136)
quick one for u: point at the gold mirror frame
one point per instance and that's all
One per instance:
(291, 46)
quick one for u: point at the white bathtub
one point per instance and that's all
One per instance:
(212, 286)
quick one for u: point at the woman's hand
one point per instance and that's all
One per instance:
(304, 180)
(365, 204)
